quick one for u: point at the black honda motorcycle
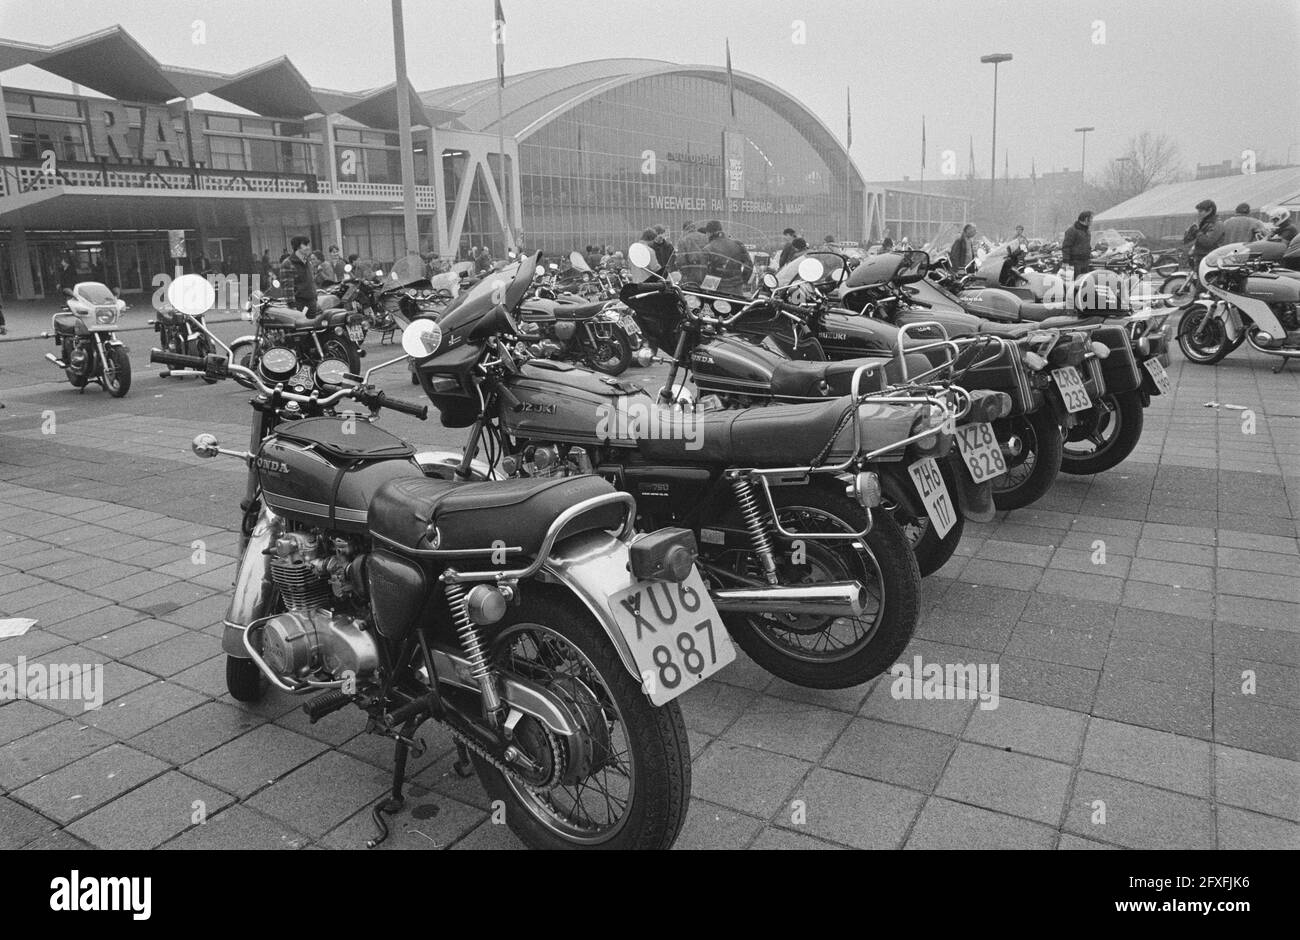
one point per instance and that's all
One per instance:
(523, 615)
(337, 333)
(816, 586)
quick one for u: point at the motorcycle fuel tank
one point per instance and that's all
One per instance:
(730, 365)
(324, 471)
(556, 401)
(1274, 289)
(286, 318)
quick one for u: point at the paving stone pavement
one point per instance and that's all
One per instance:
(1145, 624)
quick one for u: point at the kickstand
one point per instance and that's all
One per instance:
(395, 801)
(1286, 361)
(462, 766)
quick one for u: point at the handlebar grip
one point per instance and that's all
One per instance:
(176, 360)
(405, 407)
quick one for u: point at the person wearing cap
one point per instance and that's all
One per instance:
(1205, 234)
(663, 248)
(787, 248)
(1242, 227)
(727, 260)
(1076, 244)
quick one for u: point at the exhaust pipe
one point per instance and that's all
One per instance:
(56, 360)
(828, 599)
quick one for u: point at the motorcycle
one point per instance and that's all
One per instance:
(85, 332)
(525, 615)
(1126, 356)
(337, 333)
(600, 333)
(1252, 298)
(811, 583)
(182, 333)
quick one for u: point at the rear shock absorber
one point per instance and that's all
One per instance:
(474, 651)
(743, 487)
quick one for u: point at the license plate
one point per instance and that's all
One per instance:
(1072, 390)
(629, 325)
(1159, 375)
(675, 634)
(934, 493)
(980, 449)
(357, 332)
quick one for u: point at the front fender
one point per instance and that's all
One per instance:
(595, 566)
(252, 591)
(238, 340)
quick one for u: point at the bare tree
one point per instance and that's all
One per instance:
(1150, 160)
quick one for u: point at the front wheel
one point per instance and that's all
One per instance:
(628, 785)
(612, 354)
(1181, 289)
(1033, 449)
(1108, 435)
(342, 348)
(117, 371)
(244, 681)
(1202, 337)
(817, 651)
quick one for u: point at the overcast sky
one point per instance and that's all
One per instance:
(1218, 77)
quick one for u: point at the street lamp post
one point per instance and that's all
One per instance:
(996, 59)
(1083, 157)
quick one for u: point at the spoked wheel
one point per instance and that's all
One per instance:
(117, 371)
(244, 354)
(1181, 289)
(623, 780)
(814, 650)
(1202, 337)
(1033, 448)
(612, 354)
(1106, 436)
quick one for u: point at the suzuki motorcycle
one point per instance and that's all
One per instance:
(817, 587)
(85, 332)
(336, 334)
(523, 615)
(1252, 299)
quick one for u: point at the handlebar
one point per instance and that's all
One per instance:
(217, 367)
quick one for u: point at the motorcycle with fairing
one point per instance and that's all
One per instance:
(523, 615)
(85, 333)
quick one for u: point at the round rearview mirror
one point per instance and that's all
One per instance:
(331, 372)
(421, 338)
(347, 268)
(811, 270)
(539, 270)
(275, 282)
(191, 294)
(769, 281)
(639, 254)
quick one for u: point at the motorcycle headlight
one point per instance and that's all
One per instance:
(105, 314)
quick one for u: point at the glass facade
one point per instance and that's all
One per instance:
(651, 152)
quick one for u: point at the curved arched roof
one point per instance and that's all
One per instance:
(532, 99)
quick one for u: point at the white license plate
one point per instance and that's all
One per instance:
(675, 634)
(1160, 375)
(357, 332)
(934, 493)
(1070, 383)
(629, 325)
(980, 449)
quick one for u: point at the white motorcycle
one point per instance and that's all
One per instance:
(85, 333)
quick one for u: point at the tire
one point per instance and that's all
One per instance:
(244, 681)
(657, 751)
(1208, 350)
(619, 353)
(1040, 435)
(120, 364)
(1182, 287)
(887, 560)
(75, 380)
(244, 354)
(931, 552)
(342, 347)
(1124, 418)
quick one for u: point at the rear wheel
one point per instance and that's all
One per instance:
(1111, 431)
(342, 347)
(633, 785)
(117, 371)
(1033, 449)
(612, 354)
(931, 551)
(1202, 337)
(816, 651)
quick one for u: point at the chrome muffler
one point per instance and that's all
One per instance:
(56, 360)
(827, 599)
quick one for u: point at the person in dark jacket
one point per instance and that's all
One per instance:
(1206, 234)
(787, 250)
(1242, 227)
(963, 247)
(297, 270)
(727, 260)
(688, 256)
(1076, 244)
(663, 248)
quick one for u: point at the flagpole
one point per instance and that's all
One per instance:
(411, 227)
(848, 168)
(923, 202)
(504, 184)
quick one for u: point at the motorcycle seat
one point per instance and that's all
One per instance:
(327, 301)
(566, 311)
(800, 378)
(773, 436)
(472, 516)
(1007, 330)
(1036, 312)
